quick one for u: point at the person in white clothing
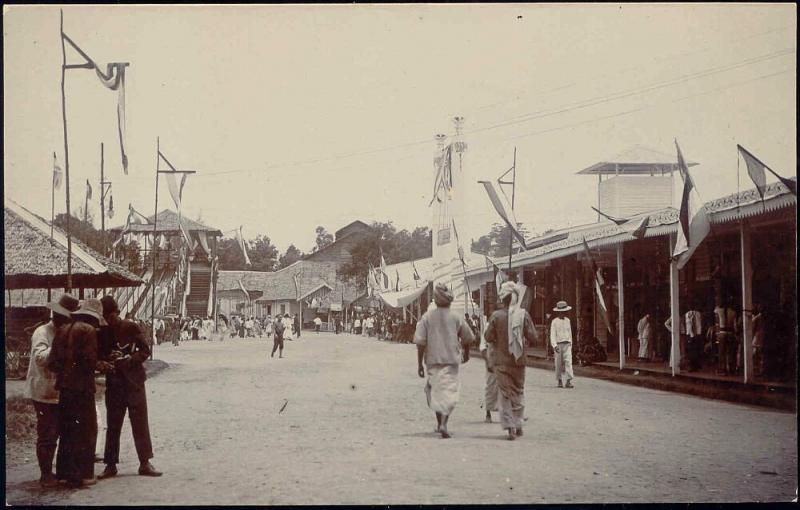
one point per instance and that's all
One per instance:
(561, 341)
(317, 324)
(40, 386)
(695, 338)
(645, 329)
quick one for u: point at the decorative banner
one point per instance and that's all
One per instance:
(88, 190)
(246, 294)
(693, 225)
(114, 79)
(242, 246)
(505, 211)
(58, 174)
(110, 211)
(599, 287)
(755, 168)
(444, 174)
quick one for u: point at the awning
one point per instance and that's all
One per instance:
(404, 297)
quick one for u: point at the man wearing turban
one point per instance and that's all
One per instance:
(507, 328)
(440, 336)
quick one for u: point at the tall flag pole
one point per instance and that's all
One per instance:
(513, 183)
(114, 79)
(463, 266)
(693, 224)
(755, 169)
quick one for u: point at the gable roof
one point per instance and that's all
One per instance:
(35, 261)
(167, 221)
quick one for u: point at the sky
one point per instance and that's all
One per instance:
(306, 115)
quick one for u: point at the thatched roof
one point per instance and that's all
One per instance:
(34, 261)
(168, 222)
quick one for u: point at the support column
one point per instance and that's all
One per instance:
(621, 307)
(580, 324)
(747, 301)
(675, 347)
(482, 301)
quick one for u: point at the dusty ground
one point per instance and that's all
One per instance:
(356, 430)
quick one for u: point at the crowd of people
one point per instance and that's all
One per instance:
(384, 325)
(715, 340)
(82, 340)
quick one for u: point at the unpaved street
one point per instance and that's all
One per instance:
(356, 430)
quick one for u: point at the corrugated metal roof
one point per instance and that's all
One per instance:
(636, 160)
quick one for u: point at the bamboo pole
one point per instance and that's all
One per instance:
(155, 255)
(66, 152)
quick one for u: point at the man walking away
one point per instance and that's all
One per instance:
(41, 386)
(561, 341)
(277, 343)
(440, 336)
(122, 343)
(491, 393)
(73, 358)
(510, 328)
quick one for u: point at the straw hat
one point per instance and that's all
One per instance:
(65, 305)
(562, 306)
(92, 308)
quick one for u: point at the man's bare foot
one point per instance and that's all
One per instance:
(445, 434)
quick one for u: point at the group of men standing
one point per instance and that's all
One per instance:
(443, 336)
(80, 339)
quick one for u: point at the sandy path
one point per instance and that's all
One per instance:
(356, 430)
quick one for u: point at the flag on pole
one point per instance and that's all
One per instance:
(110, 211)
(88, 190)
(113, 79)
(503, 208)
(500, 276)
(444, 174)
(458, 245)
(58, 174)
(693, 224)
(397, 283)
(599, 287)
(242, 246)
(246, 294)
(384, 273)
(296, 286)
(417, 277)
(755, 168)
(372, 280)
(164, 244)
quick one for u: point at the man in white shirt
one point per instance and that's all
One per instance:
(370, 325)
(694, 333)
(357, 325)
(317, 324)
(491, 392)
(41, 386)
(561, 341)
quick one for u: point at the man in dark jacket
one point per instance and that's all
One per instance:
(73, 358)
(122, 343)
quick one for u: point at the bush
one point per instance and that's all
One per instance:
(20, 419)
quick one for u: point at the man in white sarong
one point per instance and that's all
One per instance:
(440, 337)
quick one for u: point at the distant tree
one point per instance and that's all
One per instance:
(396, 247)
(496, 242)
(262, 253)
(128, 253)
(291, 256)
(323, 238)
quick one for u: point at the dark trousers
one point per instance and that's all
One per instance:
(727, 352)
(46, 435)
(78, 436)
(694, 352)
(134, 402)
(277, 343)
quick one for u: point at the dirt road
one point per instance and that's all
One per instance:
(355, 429)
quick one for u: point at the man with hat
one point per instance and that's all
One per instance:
(122, 343)
(41, 386)
(561, 341)
(441, 335)
(507, 331)
(73, 357)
